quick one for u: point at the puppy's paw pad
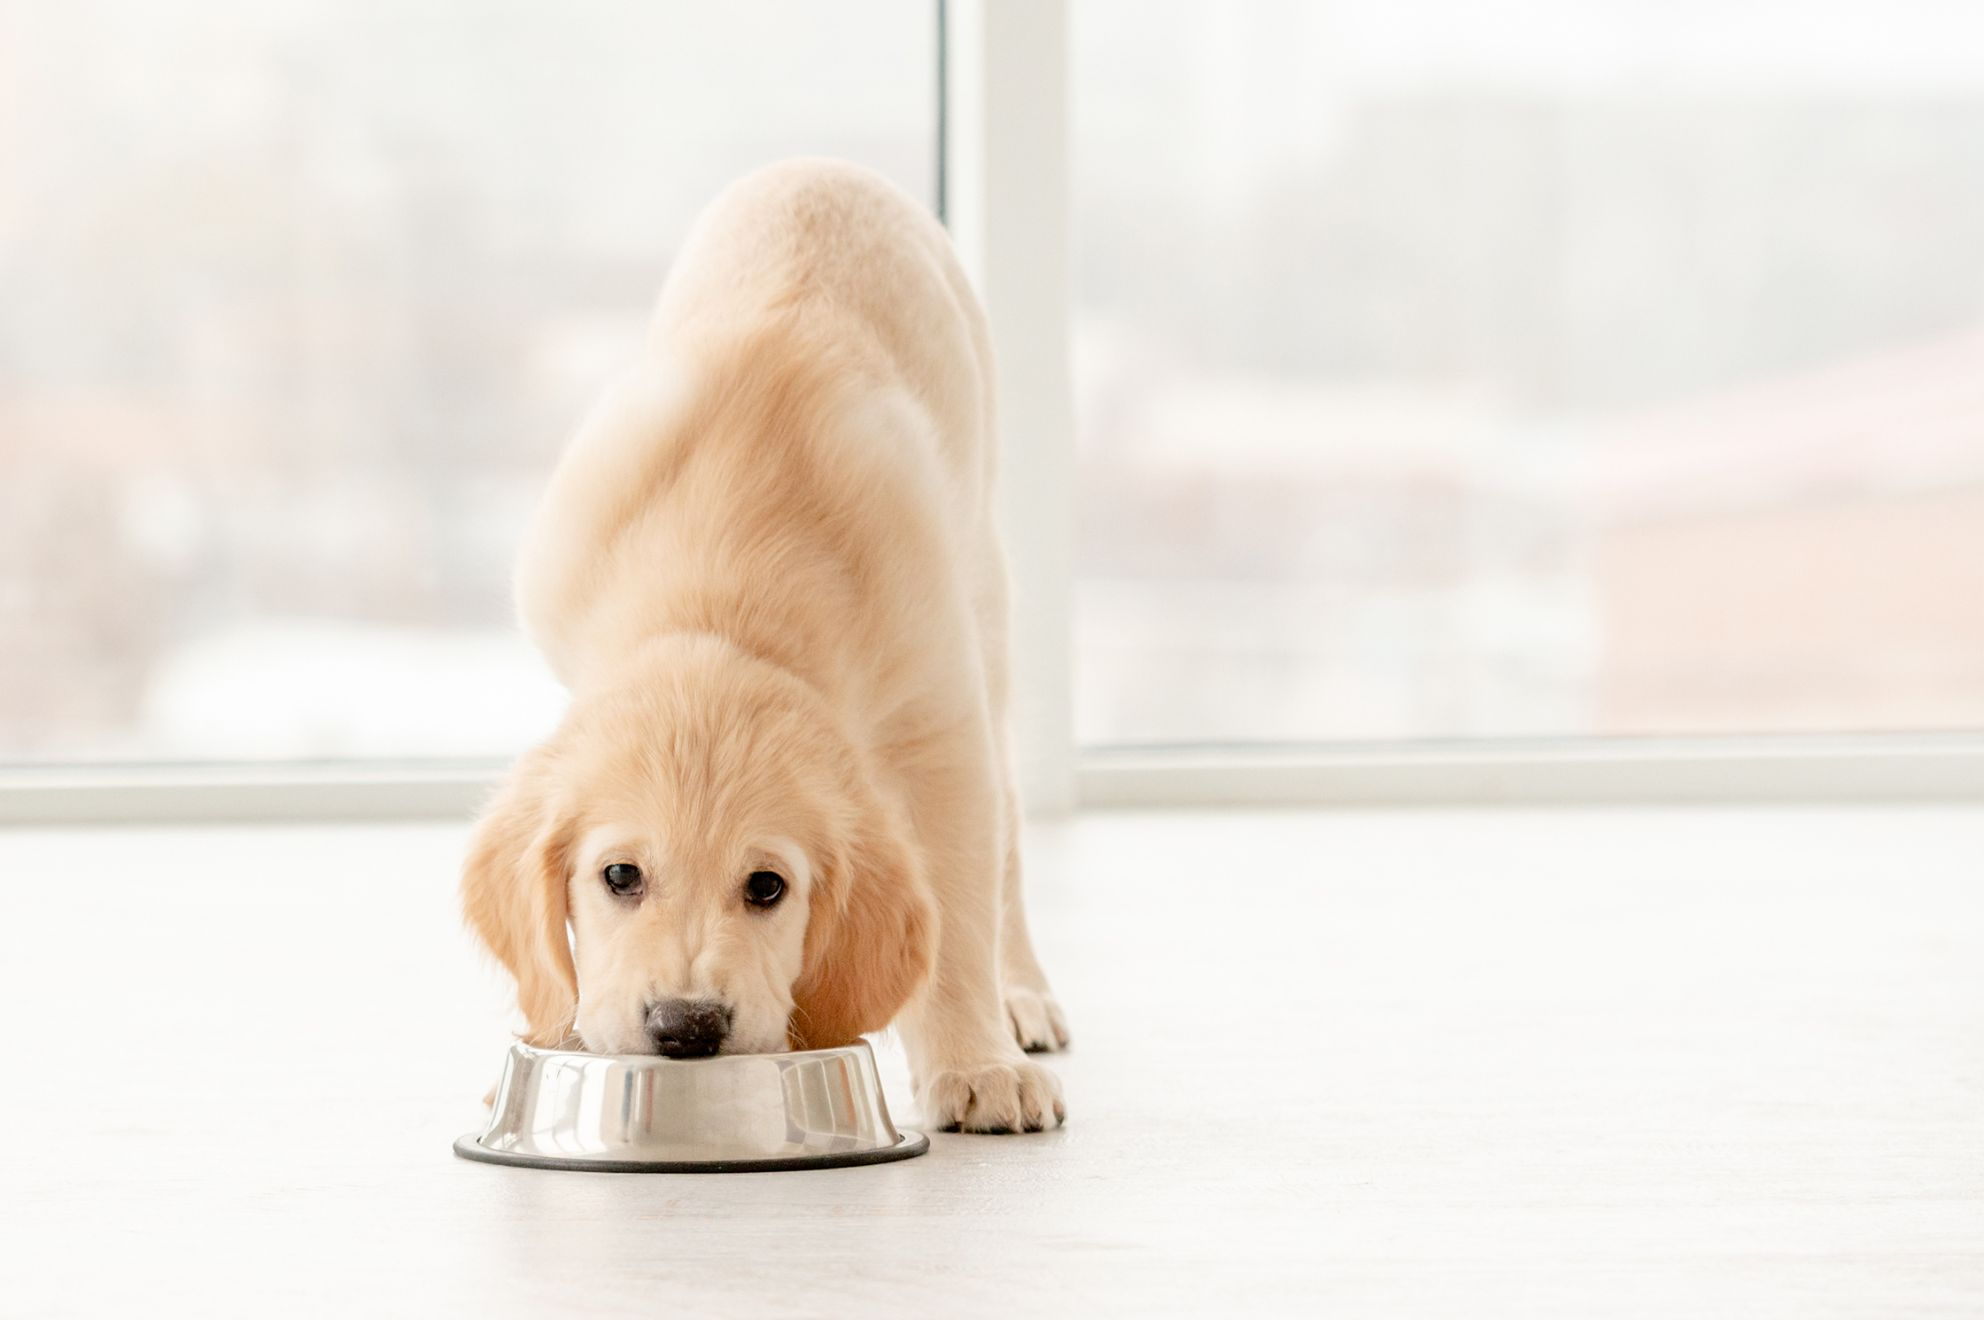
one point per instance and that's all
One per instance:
(1037, 1021)
(997, 1097)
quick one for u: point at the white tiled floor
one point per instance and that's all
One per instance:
(1399, 1064)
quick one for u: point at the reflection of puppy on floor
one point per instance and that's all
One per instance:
(779, 811)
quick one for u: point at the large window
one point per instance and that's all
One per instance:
(298, 301)
(1596, 367)
(1593, 369)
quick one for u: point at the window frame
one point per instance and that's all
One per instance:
(1868, 769)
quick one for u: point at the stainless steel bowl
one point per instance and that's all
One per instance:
(641, 1113)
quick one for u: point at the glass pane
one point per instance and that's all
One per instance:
(298, 301)
(1598, 367)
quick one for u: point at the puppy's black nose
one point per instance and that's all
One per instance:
(688, 1028)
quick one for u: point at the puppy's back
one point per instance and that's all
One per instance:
(853, 259)
(813, 304)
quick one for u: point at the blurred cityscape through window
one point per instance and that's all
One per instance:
(1570, 367)
(298, 302)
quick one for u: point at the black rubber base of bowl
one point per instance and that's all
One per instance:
(909, 1146)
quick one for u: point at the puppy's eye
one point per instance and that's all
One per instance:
(764, 888)
(622, 878)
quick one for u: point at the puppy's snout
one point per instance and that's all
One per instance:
(688, 1028)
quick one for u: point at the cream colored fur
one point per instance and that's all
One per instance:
(767, 570)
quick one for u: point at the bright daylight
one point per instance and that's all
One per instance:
(993, 658)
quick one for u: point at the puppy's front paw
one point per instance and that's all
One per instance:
(1036, 1019)
(995, 1097)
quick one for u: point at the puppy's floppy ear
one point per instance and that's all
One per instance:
(870, 938)
(513, 895)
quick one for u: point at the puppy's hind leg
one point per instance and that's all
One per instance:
(1031, 1011)
(1037, 1021)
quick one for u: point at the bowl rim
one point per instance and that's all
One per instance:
(655, 1060)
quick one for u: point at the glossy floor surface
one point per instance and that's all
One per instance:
(1524, 1063)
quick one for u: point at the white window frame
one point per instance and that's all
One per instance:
(1006, 200)
(1005, 180)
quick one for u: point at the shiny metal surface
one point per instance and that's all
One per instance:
(642, 1113)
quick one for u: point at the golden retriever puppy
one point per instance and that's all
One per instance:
(779, 811)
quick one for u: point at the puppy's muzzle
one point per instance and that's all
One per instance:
(688, 1028)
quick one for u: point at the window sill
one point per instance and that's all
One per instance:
(1890, 768)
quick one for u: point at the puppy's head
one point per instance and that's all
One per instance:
(731, 880)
